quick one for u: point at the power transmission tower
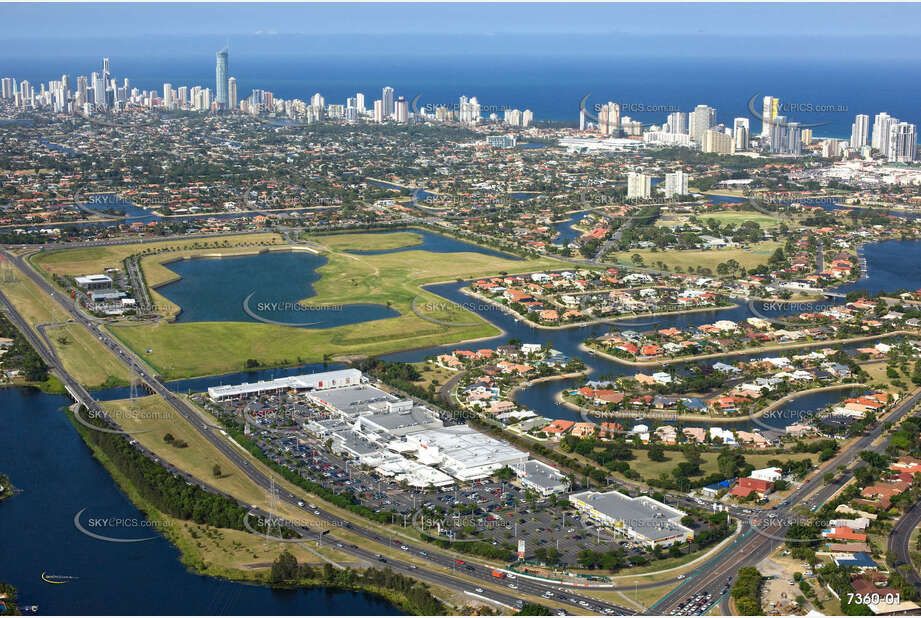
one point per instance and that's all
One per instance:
(272, 522)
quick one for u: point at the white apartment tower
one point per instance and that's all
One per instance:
(676, 183)
(769, 109)
(700, 121)
(639, 186)
(860, 131)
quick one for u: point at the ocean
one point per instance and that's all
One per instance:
(822, 91)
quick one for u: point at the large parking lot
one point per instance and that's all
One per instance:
(493, 510)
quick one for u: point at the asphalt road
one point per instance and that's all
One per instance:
(899, 538)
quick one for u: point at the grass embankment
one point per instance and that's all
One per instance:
(220, 552)
(206, 348)
(155, 417)
(709, 258)
(82, 355)
(369, 242)
(94, 260)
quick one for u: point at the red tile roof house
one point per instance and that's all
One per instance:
(603, 397)
(557, 428)
(843, 533)
(609, 428)
(746, 486)
(910, 465)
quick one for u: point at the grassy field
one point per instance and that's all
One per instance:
(156, 418)
(639, 598)
(369, 242)
(433, 374)
(83, 356)
(653, 469)
(93, 260)
(206, 348)
(709, 258)
(736, 218)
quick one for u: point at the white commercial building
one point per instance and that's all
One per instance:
(767, 474)
(305, 382)
(641, 519)
(538, 476)
(463, 452)
(94, 282)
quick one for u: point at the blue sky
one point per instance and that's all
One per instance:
(40, 20)
(756, 30)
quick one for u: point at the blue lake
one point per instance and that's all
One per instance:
(45, 457)
(269, 285)
(436, 243)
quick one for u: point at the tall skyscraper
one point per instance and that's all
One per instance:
(678, 123)
(527, 117)
(860, 131)
(609, 119)
(786, 137)
(7, 88)
(378, 110)
(167, 96)
(401, 110)
(581, 119)
(676, 183)
(903, 142)
(769, 108)
(469, 110)
(360, 103)
(700, 121)
(221, 78)
(880, 137)
(232, 99)
(639, 186)
(106, 72)
(387, 98)
(82, 87)
(99, 91)
(741, 134)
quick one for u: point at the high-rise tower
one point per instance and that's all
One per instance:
(221, 78)
(387, 98)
